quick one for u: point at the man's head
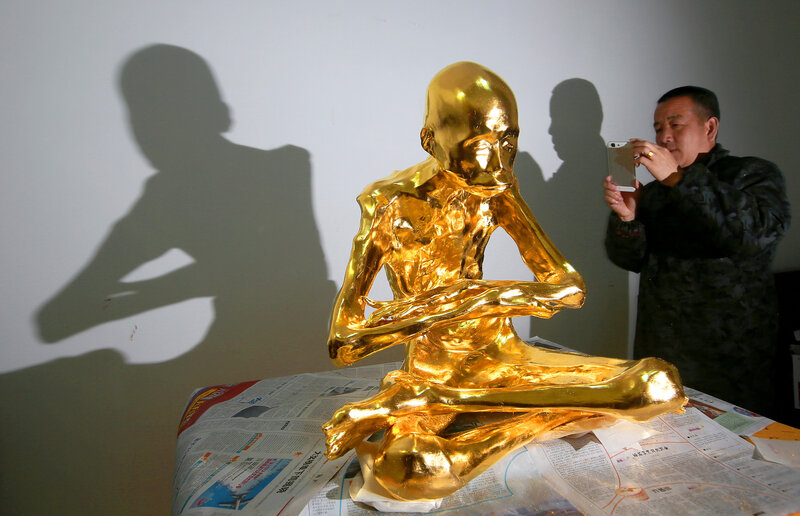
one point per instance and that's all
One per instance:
(686, 121)
(576, 116)
(471, 125)
(174, 104)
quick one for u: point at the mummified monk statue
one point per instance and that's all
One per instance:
(428, 226)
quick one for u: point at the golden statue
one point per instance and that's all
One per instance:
(428, 227)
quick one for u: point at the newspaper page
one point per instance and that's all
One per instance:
(257, 448)
(688, 465)
(736, 419)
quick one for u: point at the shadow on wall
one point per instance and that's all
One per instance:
(572, 212)
(95, 435)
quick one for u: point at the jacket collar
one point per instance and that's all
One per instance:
(717, 153)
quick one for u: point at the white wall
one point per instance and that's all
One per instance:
(243, 239)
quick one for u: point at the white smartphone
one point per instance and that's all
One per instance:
(621, 166)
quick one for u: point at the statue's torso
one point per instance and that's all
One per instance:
(436, 239)
(437, 236)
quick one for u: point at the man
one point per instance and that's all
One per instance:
(428, 226)
(703, 236)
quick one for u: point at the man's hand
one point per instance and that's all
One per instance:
(623, 203)
(657, 160)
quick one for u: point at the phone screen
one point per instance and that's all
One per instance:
(621, 166)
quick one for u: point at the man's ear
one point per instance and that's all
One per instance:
(426, 139)
(712, 126)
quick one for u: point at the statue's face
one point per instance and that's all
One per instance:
(472, 119)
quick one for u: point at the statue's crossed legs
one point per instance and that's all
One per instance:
(414, 460)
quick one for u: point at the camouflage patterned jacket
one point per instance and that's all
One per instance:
(704, 250)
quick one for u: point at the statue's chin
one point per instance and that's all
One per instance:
(489, 191)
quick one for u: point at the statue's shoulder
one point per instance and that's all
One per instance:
(399, 183)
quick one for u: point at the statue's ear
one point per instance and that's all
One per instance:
(426, 139)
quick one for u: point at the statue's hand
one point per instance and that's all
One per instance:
(388, 311)
(432, 302)
(553, 296)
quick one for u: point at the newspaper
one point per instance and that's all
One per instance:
(689, 465)
(257, 447)
(736, 419)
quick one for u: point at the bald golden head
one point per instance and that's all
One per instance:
(471, 125)
(468, 90)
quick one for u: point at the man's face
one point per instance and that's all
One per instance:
(680, 130)
(479, 147)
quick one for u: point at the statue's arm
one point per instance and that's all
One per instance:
(351, 337)
(558, 284)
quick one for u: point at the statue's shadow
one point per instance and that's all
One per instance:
(570, 208)
(244, 217)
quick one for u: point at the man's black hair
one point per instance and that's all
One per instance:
(705, 100)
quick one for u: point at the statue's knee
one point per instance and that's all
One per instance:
(655, 370)
(416, 466)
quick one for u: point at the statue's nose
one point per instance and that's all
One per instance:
(493, 162)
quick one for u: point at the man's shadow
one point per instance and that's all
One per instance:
(571, 210)
(95, 430)
(243, 215)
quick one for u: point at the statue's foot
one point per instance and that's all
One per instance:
(656, 389)
(343, 432)
(354, 422)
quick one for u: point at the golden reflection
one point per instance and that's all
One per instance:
(428, 226)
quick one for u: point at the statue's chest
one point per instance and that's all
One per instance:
(429, 226)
